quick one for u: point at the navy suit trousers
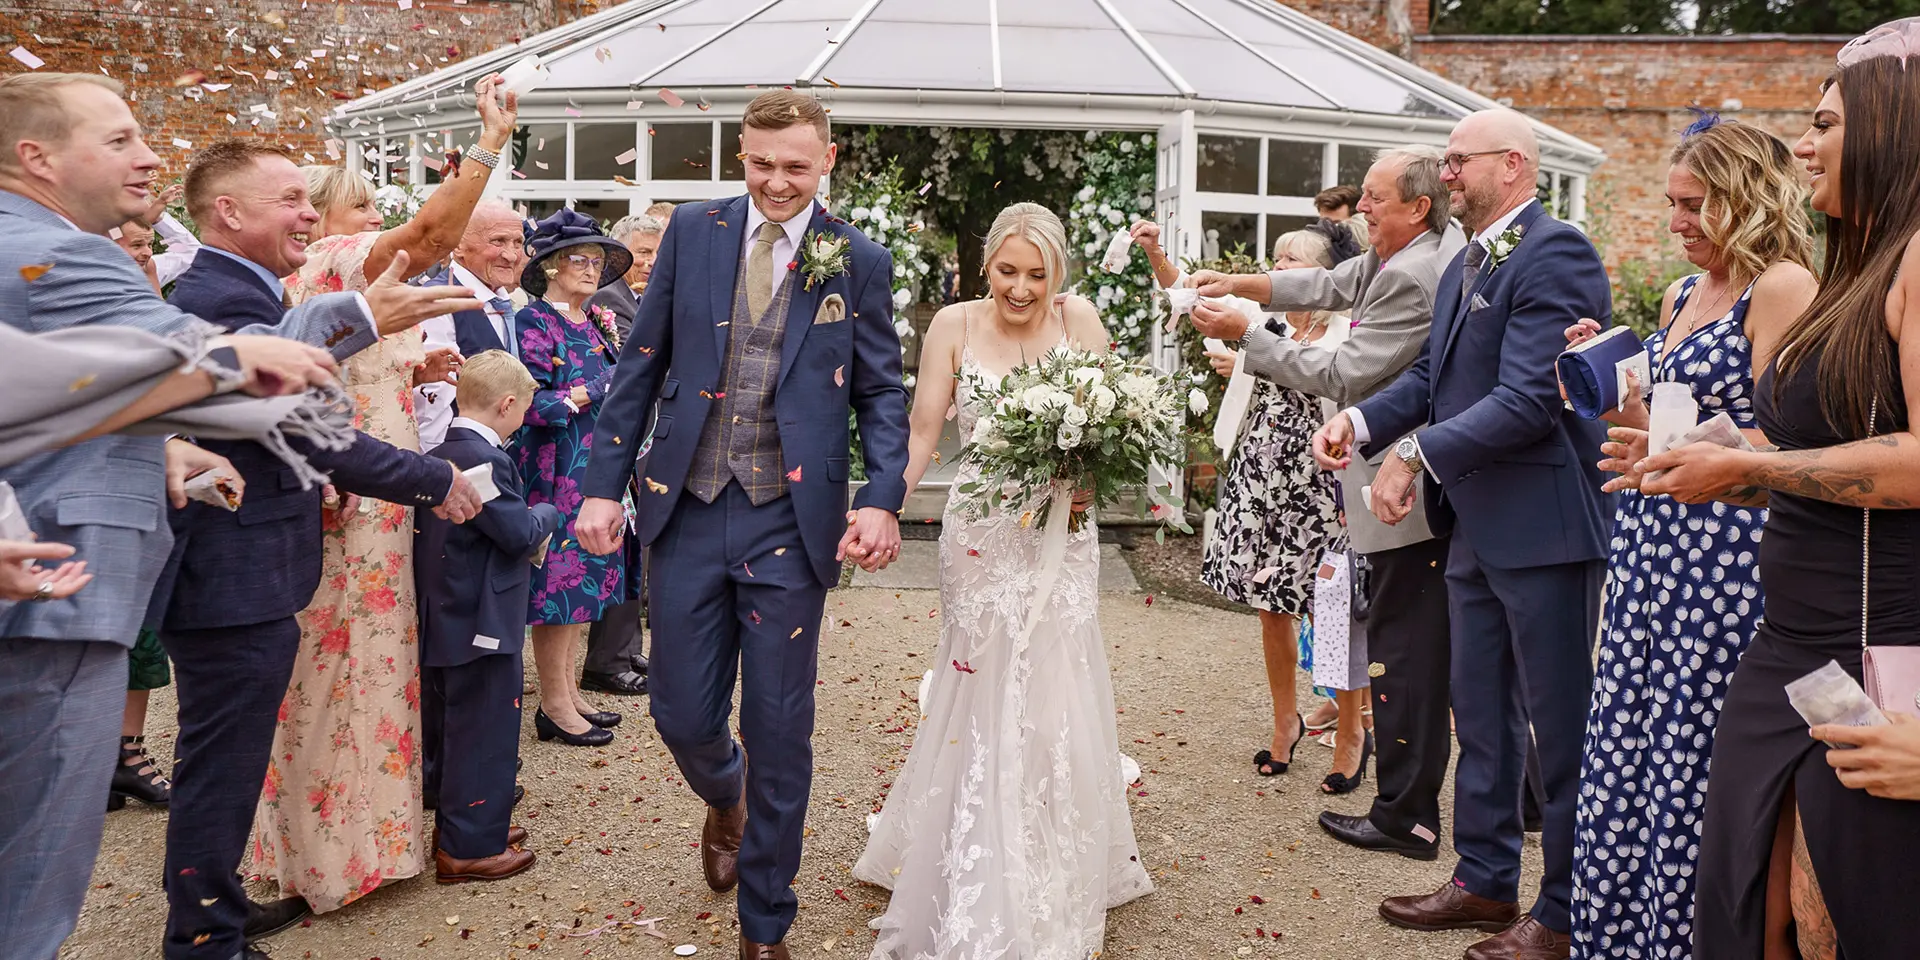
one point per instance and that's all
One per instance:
(470, 726)
(1522, 656)
(231, 681)
(735, 595)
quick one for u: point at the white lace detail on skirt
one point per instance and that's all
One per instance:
(1007, 834)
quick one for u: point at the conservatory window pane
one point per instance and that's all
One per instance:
(1279, 223)
(731, 166)
(596, 147)
(540, 151)
(682, 151)
(1354, 162)
(1564, 209)
(538, 209)
(1293, 168)
(1222, 233)
(1229, 164)
(607, 212)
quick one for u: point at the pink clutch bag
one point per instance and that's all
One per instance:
(1892, 673)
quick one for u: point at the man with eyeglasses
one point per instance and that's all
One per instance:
(1504, 465)
(488, 261)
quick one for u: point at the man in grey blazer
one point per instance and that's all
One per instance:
(73, 166)
(1390, 290)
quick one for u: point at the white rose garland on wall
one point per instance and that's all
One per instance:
(1116, 175)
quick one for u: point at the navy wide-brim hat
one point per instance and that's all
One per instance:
(568, 228)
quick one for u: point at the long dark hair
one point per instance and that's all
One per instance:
(1879, 184)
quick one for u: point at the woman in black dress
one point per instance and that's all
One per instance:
(1839, 399)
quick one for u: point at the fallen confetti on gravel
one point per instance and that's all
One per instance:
(1241, 867)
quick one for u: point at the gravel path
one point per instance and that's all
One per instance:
(1234, 856)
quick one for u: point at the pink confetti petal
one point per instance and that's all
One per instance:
(26, 56)
(670, 98)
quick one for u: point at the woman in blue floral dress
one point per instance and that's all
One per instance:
(570, 349)
(1683, 589)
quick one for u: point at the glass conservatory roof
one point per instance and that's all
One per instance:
(1191, 52)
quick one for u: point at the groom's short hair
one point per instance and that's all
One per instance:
(780, 109)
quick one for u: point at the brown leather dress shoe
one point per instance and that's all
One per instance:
(762, 951)
(516, 836)
(1449, 908)
(1528, 939)
(720, 846)
(497, 867)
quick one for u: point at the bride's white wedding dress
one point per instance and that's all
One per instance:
(1007, 835)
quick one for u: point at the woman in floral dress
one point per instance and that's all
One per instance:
(570, 349)
(340, 813)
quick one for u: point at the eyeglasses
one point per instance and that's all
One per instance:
(582, 260)
(1456, 161)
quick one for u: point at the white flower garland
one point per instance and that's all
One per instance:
(878, 204)
(1117, 171)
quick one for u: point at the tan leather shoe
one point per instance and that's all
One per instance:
(1449, 908)
(516, 836)
(500, 866)
(762, 951)
(720, 845)
(1528, 939)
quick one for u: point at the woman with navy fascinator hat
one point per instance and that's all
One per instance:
(570, 348)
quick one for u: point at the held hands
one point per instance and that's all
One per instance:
(186, 461)
(1887, 761)
(872, 539)
(1392, 491)
(598, 526)
(441, 366)
(397, 306)
(22, 579)
(463, 502)
(1625, 449)
(275, 366)
(1333, 443)
(1219, 322)
(497, 113)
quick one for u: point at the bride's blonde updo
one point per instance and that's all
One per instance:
(1036, 225)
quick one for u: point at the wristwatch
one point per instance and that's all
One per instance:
(1408, 450)
(222, 363)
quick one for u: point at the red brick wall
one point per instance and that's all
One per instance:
(153, 44)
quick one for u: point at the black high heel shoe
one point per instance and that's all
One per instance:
(141, 780)
(1338, 783)
(602, 718)
(1265, 765)
(546, 729)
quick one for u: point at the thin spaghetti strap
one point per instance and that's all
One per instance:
(1060, 307)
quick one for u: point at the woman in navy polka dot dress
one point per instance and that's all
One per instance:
(1683, 589)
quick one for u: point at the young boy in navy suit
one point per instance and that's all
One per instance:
(473, 582)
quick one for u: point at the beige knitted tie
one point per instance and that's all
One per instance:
(760, 269)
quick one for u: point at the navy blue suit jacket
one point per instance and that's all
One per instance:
(473, 578)
(677, 355)
(262, 562)
(1514, 466)
(471, 331)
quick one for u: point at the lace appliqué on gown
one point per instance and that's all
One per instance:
(1007, 835)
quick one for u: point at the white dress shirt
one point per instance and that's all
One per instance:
(181, 247)
(433, 402)
(784, 249)
(486, 433)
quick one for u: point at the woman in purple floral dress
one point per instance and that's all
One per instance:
(570, 348)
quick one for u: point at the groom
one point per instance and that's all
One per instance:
(755, 345)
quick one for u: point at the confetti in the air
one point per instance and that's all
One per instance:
(26, 56)
(670, 98)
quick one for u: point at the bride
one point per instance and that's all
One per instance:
(1007, 835)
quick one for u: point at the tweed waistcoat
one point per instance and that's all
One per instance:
(741, 438)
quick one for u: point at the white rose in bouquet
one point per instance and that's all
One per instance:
(1069, 436)
(1101, 399)
(1036, 399)
(982, 430)
(1196, 402)
(1087, 375)
(1076, 415)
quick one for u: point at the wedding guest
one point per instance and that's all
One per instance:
(488, 258)
(1501, 462)
(1838, 398)
(1278, 517)
(72, 167)
(661, 211)
(473, 613)
(1337, 203)
(1683, 591)
(1391, 292)
(22, 577)
(1886, 762)
(570, 347)
(229, 611)
(136, 238)
(348, 728)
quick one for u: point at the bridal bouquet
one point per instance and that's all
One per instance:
(1074, 420)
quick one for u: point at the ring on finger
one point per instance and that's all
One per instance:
(43, 593)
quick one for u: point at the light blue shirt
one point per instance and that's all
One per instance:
(273, 283)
